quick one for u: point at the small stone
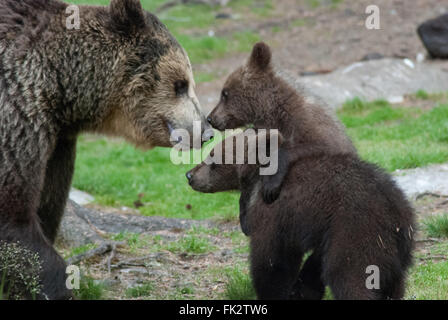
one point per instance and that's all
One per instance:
(420, 57)
(223, 15)
(372, 56)
(80, 197)
(395, 99)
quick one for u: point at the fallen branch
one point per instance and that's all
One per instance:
(428, 240)
(434, 258)
(137, 262)
(111, 256)
(102, 249)
(435, 195)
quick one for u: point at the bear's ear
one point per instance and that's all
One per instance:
(127, 15)
(260, 58)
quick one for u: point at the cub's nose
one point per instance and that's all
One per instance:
(189, 176)
(208, 135)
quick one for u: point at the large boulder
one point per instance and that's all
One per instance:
(434, 34)
(388, 79)
(82, 225)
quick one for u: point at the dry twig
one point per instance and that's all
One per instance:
(102, 249)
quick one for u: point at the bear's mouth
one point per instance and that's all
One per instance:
(186, 140)
(174, 139)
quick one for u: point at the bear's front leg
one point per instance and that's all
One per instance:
(274, 268)
(23, 163)
(20, 225)
(287, 156)
(272, 184)
(309, 285)
(58, 178)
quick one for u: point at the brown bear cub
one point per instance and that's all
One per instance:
(255, 94)
(348, 212)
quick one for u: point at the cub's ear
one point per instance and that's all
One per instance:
(127, 15)
(260, 59)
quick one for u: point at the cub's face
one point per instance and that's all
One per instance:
(156, 96)
(245, 92)
(210, 177)
(214, 175)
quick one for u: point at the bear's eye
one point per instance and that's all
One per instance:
(225, 94)
(213, 166)
(180, 87)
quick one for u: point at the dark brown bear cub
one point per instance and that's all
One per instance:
(255, 94)
(348, 212)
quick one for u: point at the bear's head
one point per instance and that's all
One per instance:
(155, 90)
(247, 92)
(235, 160)
(213, 174)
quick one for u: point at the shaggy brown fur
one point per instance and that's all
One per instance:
(254, 94)
(121, 73)
(348, 212)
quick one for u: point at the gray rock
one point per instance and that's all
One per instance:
(433, 179)
(377, 79)
(81, 225)
(116, 223)
(80, 197)
(75, 231)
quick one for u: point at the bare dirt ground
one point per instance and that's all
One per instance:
(303, 39)
(152, 258)
(306, 39)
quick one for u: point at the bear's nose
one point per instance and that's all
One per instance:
(208, 135)
(189, 176)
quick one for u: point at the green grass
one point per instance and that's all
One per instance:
(422, 94)
(89, 289)
(397, 137)
(115, 173)
(239, 285)
(182, 19)
(318, 3)
(201, 77)
(428, 281)
(79, 250)
(143, 290)
(191, 244)
(437, 226)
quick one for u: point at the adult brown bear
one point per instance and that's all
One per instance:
(121, 73)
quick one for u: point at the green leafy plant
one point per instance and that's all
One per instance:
(19, 271)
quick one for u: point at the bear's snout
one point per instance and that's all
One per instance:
(189, 176)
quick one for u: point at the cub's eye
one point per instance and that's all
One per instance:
(225, 94)
(213, 166)
(181, 87)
